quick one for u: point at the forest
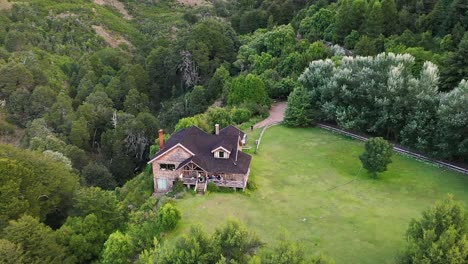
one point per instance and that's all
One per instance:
(84, 88)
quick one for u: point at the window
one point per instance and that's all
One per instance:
(162, 183)
(170, 167)
(221, 154)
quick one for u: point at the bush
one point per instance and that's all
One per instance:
(251, 185)
(240, 115)
(6, 129)
(177, 188)
(168, 217)
(377, 155)
(212, 187)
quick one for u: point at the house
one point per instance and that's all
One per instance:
(195, 158)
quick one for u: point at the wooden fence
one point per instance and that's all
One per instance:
(398, 149)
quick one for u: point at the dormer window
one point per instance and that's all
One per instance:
(221, 153)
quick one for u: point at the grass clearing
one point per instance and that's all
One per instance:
(309, 185)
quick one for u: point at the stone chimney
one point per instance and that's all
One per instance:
(161, 139)
(217, 129)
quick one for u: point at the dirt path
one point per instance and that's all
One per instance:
(5, 5)
(192, 3)
(118, 5)
(113, 41)
(276, 115)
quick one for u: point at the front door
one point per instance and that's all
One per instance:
(162, 183)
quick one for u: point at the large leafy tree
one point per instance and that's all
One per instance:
(248, 89)
(439, 236)
(37, 241)
(452, 139)
(234, 242)
(118, 249)
(83, 237)
(10, 253)
(32, 184)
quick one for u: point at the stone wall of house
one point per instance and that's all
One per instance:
(175, 156)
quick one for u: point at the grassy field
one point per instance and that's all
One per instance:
(311, 186)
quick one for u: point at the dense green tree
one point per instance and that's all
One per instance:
(136, 102)
(286, 252)
(14, 76)
(377, 155)
(440, 236)
(196, 102)
(168, 217)
(118, 249)
(314, 27)
(240, 115)
(10, 253)
(32, 184)
(61, 113)
(390, 17)
(218, 115)
(95, 174)
(83, 238)
(103, 204)
(161, 66)
(343, 21)
(351, 40)
(248, 89)
(452, 126)
(373, 26)
(215, 86)
(37, 241)
(299, 112)
(79, 134)
(456, 66)
(42, 99)
(193, 247)
(197, 120)
(211, 42)
(365, 46)
(234, 242)
(280, 40)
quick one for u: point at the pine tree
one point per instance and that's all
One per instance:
(299, 112)
(390, 17)
(440, 236)
(377, 155)
(456, 66)
(343, 21)
(374, 21)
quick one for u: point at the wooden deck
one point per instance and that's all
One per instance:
(190, 181)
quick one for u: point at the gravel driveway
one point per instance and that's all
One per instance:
(277, 111)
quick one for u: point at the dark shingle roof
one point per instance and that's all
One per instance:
(201, 144)
(232, 131)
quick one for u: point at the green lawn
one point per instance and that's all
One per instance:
(309, 185)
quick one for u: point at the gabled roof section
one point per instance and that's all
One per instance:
(221, 148)
(232, 131)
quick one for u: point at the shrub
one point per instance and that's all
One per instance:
(168, 217)
(240, 115)
(251, 185)
(377, 155)
(212, 187)
(6, 129)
